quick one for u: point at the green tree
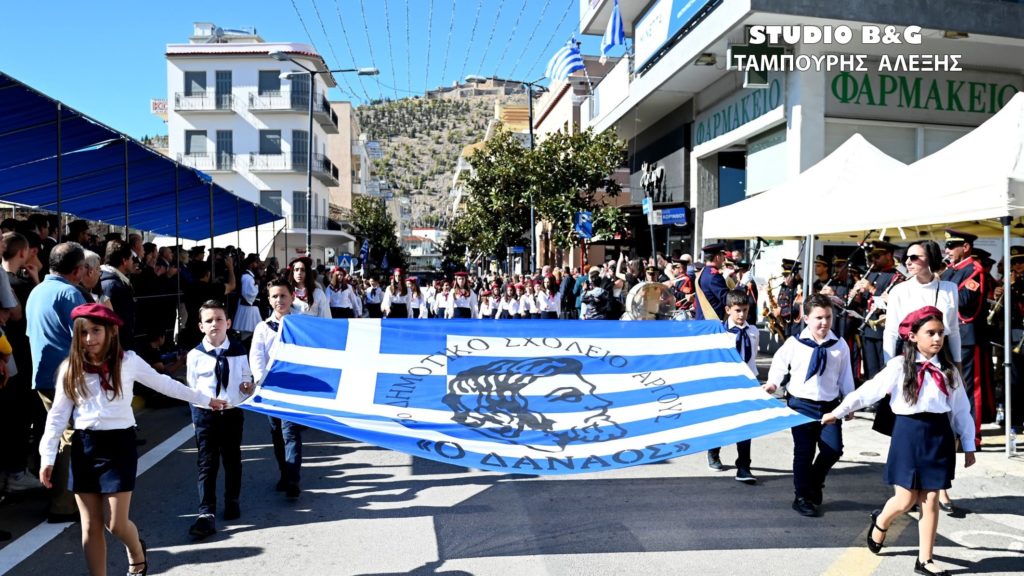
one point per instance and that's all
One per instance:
(564, 175)
(571, 170)
(370, 220)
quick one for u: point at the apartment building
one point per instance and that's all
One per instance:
(241, 115)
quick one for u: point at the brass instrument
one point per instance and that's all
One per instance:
(875, 323)
(770, 321)
(998, 304)
(1020, 344)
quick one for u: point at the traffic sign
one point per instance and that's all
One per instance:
(585, 225)
(345, 260)
(648, 205)
(516, 249)
(674, 216)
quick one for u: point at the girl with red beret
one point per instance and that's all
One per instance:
(928, 398)
(95, 391)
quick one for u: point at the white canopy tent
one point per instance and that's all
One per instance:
(853, 169)
(975, 184)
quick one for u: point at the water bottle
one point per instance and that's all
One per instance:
(1000, 415)
(1013, 441)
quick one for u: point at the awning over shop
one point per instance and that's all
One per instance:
(831, 190)
(55, 158)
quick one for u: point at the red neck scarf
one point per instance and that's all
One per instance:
(103, 370)
(927, 367)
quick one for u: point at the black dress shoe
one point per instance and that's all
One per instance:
(805, 507)
(232, 511)
(874, 546)
(946, 507)
(923, 568)
(714, 462)
(203, 527)
(817, 496)
(292, 491)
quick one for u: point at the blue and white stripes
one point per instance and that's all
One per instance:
(614, 34)
(529, 396)
(566, 61)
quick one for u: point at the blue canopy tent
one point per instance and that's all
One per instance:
(57, 159)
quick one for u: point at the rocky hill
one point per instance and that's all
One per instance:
(421, 140)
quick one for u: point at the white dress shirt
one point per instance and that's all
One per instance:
(931, 399)
(460, 301)
(392, 298)
(911, 295)
(373, 295)
(95, 411)
(264, 338)
(510, 305)
(320, 307)
(486, 308)
(528, 304)
(550, 302)
(441, 304)
(794, 357)
(201, 373)
(755, 336)
(344, 298)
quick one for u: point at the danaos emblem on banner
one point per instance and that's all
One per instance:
(528, 396)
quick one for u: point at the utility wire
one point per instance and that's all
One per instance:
(426, 69)
(529, 41)
(330, 45)
(408, 49)
(373, 61)
(391, 51)
(490, 38)
(351, 53)
(512, 34)
(451, 32)
(472, 35)
(551, 39)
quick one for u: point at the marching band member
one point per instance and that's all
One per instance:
(873, 290)
(966, 271)
(710, 284)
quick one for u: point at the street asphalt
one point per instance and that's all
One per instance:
(369, 511)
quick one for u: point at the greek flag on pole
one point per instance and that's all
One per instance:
(614, 35)
(566, 61)
(530, 396)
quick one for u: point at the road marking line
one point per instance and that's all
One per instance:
(857, 560)
(28, 544)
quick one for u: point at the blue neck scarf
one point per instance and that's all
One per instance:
(819, 357)
(742, 341)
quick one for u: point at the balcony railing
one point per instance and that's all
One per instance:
(295, 101)
(205, 101)
(209, 162)
(323, 169)
(298, 221)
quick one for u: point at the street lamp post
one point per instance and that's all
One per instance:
(285, 57)
(530, 88)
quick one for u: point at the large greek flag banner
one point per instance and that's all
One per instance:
(524, 396)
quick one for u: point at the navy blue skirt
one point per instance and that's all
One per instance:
(103, 461)
(922, 454)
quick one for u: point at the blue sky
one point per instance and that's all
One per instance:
(106, 57)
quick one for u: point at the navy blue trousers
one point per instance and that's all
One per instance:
(287, 438)
(218, 439)
(816, 448)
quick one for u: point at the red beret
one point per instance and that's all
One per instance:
(914, 317)
(464, 274)
(398, 272)
(97, 313)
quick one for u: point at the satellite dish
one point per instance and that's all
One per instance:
(650, 301)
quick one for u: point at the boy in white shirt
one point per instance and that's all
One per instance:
(747, 336)
(286, 436)
(219, 368)
(818, 364)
